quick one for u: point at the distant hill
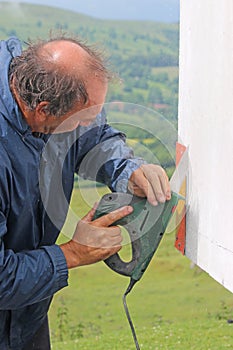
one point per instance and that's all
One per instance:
(152, 10)
(33, 20)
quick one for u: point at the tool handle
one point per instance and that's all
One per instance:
(145, 225)
(113, 201)
(125, 268)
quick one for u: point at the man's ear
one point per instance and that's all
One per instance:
(41, 111)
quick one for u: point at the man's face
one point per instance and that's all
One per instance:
(80, 115)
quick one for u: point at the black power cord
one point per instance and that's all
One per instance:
(130, 286)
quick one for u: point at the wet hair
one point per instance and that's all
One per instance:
(36, 79)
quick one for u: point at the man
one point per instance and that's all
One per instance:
(55, 87)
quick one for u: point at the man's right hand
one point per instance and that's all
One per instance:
(94, 241)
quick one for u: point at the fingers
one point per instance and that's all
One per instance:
(89, 216)
(151, 180)
(165, 185)
(116, 238)
(108, 219)
(97, 233)
(94, 240)
(158, 187)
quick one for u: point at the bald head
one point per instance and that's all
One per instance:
(67, 56)
(58, 72)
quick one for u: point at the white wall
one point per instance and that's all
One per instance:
(206, 125)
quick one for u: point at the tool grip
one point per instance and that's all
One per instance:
(140, 225)
(122, 267)
(113, 201)
(145, 225)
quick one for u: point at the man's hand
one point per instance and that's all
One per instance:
(94, 241)
(150, 181)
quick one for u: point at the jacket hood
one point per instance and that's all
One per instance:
(8, 106)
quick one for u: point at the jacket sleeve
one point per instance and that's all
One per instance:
(29, 276)
(105, 157)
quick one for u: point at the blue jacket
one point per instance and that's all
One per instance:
(36, 182)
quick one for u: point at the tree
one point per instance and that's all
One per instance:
(155, 95)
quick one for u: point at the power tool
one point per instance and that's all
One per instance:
(146, 226)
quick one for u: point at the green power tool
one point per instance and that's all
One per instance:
(146, 226)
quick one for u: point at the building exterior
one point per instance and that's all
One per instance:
(206, 126)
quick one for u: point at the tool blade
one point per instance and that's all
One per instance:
(180, 172)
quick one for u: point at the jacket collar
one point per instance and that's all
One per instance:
(8, 106)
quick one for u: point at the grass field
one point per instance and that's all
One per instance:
(174, 306)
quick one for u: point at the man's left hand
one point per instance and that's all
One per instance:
(150, 181)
